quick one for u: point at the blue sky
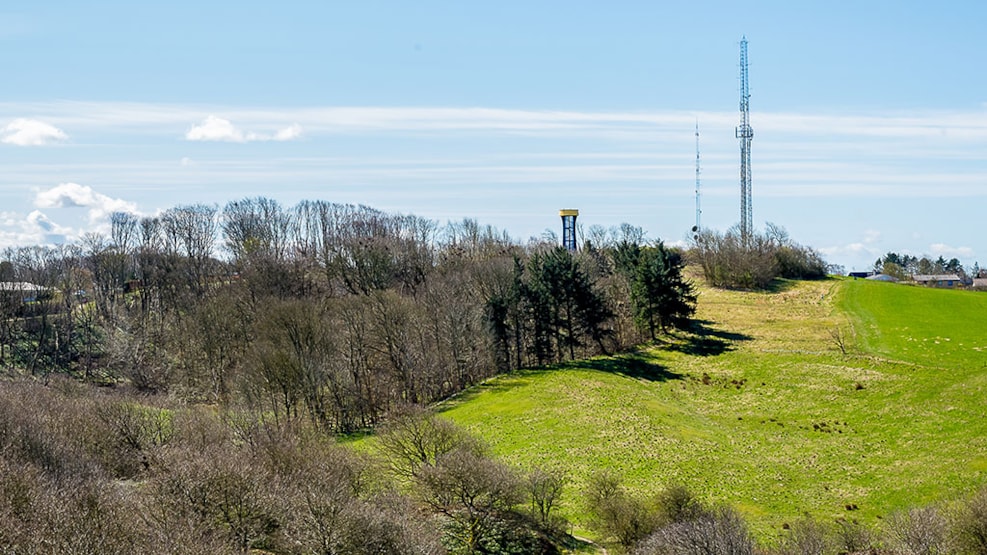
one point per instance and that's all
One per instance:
(870, 118)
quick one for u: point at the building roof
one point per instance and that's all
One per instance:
(882, 277)
(936, 277)
(21, 286)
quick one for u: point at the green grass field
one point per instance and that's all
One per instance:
(761, 409)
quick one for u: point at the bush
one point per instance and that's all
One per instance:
(413, 439)
(677, 504)
(728, 260)
(618, 514)
(544, 489)
(971, 524)
(922, 531)
(216, 493)
(42, 514)
(853, 537)
(808, 537)
(798, 262)
(717, 532)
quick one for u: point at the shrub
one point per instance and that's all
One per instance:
(677, 504)
(730, 260)
(414, 439)
(129, 433)
(716, 532)
(388, 523)
(808, 537)
(798, 262)
(971, 524)
(42, 514)
(44, 428)
(618, 514)
(544, 489)
(853, 537)
(216, 493)
(473, 493)
(923, 531)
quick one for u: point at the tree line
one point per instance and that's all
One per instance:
(326, 312)
(902, 266)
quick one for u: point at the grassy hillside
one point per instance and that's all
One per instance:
(761, 409)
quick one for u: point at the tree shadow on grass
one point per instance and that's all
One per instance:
(637, 365)
(497, 384)
(776, 285)
(704, 340)
(779, 285)
(632, 365)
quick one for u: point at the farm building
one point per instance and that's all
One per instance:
(27, 292)
(882, 277)
(938, 280)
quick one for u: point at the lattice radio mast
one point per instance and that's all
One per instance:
(745, 134)
(699, 211)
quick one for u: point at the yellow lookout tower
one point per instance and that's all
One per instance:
(569, 228)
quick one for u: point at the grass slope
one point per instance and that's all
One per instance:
(761, 410)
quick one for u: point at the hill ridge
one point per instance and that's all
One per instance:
(778, 422)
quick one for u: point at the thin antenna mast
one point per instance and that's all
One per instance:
(699, 211)
(745, 134)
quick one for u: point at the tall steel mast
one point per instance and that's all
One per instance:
(745, 134)
(699, 211)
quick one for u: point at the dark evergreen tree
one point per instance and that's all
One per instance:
(505, 312)
(662, 298)
(563, 305)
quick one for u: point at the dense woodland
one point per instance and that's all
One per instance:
(179, 385)
(328, 312)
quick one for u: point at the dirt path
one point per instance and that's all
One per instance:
(599, 548)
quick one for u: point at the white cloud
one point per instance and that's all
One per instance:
(38, 228)
(941, 249)
(39, 220)
(73, 195)
(34, 229)
(215, 128)
(30, 132)
(289, 133)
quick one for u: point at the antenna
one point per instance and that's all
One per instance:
(745, 134)
(699, 211)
